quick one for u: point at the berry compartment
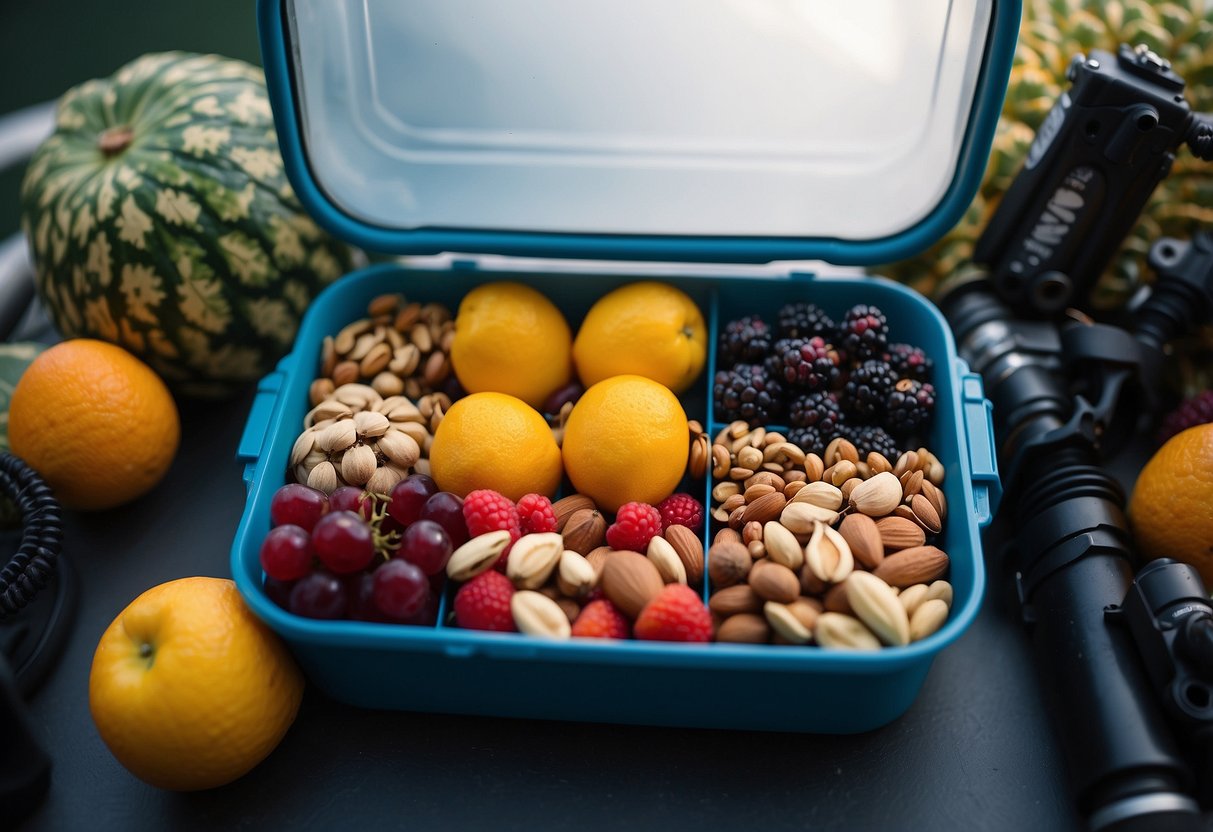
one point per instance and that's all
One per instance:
(447, 669)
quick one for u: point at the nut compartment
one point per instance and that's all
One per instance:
(441, 668)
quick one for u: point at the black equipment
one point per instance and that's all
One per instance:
(1126, 663)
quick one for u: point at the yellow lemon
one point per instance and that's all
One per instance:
(491, 440)
(511, 339)
(626, 440)
(189, 689)
(647, 329)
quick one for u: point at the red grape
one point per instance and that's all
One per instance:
(426, 544)
(343, 542)
(429, 613)
(445, 509)
(279, 591)
(286, 553)
(400, 589)
(409, 496)
(360, 590)
(349, 498)
(319, 595)
(298, 505)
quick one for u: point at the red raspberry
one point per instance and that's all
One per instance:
(536, 515)
(635, 525)
(483, 603)
(486, 511)
(681, 510)
(600, 619)
(675, 614)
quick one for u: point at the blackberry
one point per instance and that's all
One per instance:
(744, 341)
(1197, 410)
(868, 438)
(864, 333)
(909, 361)
(808, 440)
(804, 320)
(806, 364)
(867, 389)
(818, 409)
(747, 392)
(909, 407)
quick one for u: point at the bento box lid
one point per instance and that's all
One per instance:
(852, 131)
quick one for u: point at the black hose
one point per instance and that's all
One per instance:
(34, 564)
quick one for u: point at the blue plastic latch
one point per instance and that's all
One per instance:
(983, 457)
(258, 424)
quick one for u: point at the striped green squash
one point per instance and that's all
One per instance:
(160, 219)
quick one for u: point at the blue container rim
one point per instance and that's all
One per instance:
(970, 166)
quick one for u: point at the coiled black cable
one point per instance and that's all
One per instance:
(34, 564)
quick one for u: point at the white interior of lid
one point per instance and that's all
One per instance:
(777, 118)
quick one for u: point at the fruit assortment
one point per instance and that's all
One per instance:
(824, 380)
(411, 484)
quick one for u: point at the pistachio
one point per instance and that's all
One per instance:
(827, 555)
(785, 623)
(781, 545)
(477, 555)
(576, 574)
(533, 558)
(821, 494)
(399, 448)
(835, 630)
(928, 618)
(802, 517)
(668, 564)
(538, 615)
(877, 606)
(357, 465)
(878, 496)
(302, 447)
(323, 477)
(384, 479)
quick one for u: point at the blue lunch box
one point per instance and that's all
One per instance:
(443, 126)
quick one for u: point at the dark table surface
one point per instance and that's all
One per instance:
(974, 752)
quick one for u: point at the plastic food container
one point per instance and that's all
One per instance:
(395, 117)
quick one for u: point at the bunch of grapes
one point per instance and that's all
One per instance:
(359, 555)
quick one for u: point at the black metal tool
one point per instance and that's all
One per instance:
(1126, 663)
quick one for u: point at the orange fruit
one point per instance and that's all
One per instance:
(626, 440)
(511, 339)
(1171, 510)
(647, 329)
(491, 440)
(189, 689)
(96, 422)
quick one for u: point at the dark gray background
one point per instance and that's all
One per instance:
(974, 752)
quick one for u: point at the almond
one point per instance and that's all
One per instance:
(477, 555)
(842, 631)
(836, 599)
(810, 584)
(878, 496)
(862, 535)
(727, 536)
(806, 611)
(597, 559)
(928, 618)
(630, 580)
(538, 615)
(533, 558)
(758, 489)
(919, 565)
(932, 493)
(781, 545)
(785, 623)
(663, 556)
(773, 582)
(764, 508)
(926, 513)
(897, 533)
(584, 530)
(744, 628)
(728, 563)
(689, 549)
(735, 599)
(876, 605)
(566, 507)
(941, 590)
